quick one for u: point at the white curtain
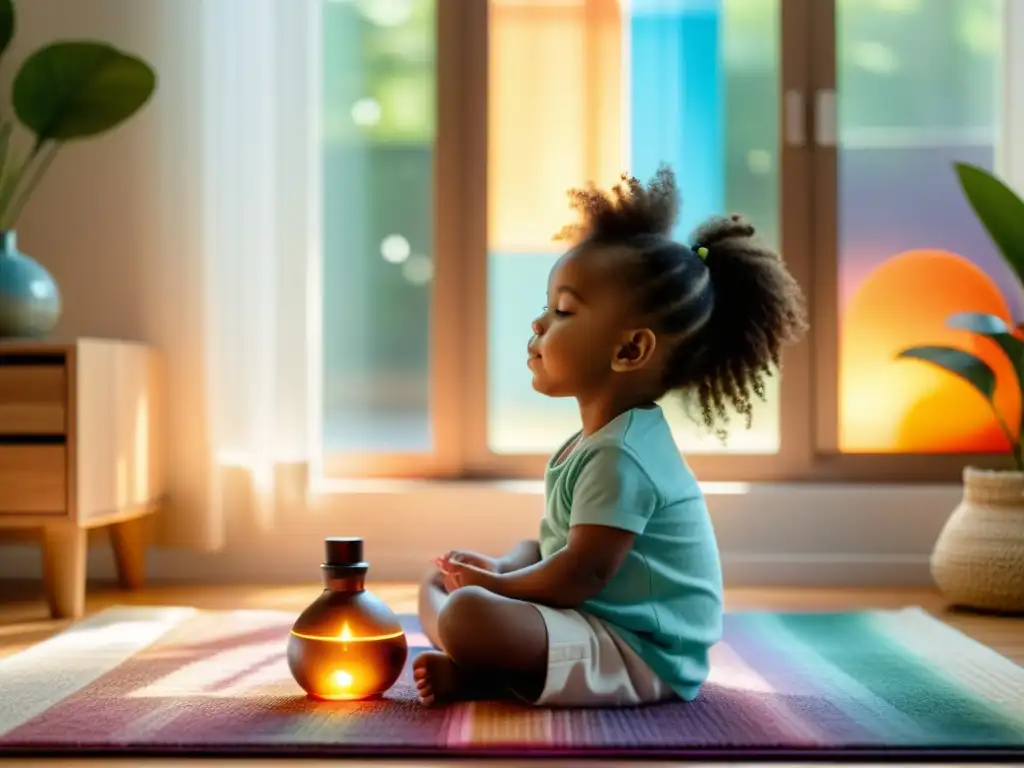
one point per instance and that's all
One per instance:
(240, 445)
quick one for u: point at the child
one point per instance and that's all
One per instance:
(620, 600)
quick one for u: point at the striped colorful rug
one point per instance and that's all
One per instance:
(179, 681)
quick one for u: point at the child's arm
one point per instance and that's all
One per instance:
(525, 554)
(613, 498)
(574, 574)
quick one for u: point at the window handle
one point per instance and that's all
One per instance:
(825, 118)
(795, 119)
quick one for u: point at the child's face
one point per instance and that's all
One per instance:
(584, 326)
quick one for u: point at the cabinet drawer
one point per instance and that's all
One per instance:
(33, 478)
(32, 400)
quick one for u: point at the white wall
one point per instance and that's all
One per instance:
(117, 224)
(112, 218)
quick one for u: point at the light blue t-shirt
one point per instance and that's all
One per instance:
(666, 600)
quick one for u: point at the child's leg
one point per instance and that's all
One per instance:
(489, 641)
(495, 646)
(432, 598)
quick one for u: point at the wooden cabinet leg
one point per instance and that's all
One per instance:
(129, 541)
(64, 564)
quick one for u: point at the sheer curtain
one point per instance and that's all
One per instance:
(244, 456)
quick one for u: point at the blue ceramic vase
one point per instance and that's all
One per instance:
(29, 298)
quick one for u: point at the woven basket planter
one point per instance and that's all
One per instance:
(978, 561)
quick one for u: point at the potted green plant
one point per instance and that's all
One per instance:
(978, 559)
(65, 91)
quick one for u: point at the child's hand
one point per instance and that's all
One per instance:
(483, 562)
(458, 574)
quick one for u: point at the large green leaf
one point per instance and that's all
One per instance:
(6, 24)
(971, 369)
(995, 328)
(1000, 211)
(72, 90)
(978, 322)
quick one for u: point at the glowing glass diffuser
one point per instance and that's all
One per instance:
(348, 644)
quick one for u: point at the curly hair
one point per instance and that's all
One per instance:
(726, 303)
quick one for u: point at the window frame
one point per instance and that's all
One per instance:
(808, 177)
(829, 463)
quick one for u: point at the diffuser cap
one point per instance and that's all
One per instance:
(343, 551)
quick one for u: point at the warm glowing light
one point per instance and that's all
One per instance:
(346, 633)
(342, 679)
(902, 406)
(342, 638)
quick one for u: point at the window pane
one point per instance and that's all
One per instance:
(918, 89)
(378, 108)
(582, 90)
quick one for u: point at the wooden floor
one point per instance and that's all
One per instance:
(24, 620)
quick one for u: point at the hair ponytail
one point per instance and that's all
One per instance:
(758, 308)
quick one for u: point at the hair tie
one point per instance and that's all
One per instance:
(702, 252)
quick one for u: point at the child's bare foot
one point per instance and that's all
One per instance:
(437, 678)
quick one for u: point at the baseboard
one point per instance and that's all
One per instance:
(770, 534)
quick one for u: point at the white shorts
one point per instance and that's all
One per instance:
(589, 665)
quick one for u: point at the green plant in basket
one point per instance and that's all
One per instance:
(978, 558)
(1001, 212)
(64, 91)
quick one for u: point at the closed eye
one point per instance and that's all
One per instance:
(558, 312)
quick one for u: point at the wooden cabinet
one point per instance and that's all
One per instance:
(80, 448)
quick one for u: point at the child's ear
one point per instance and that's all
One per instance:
(635, 350)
